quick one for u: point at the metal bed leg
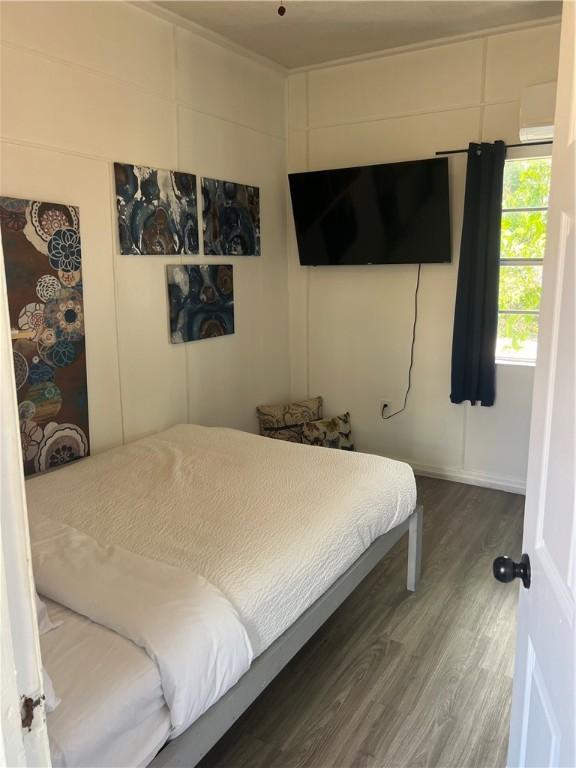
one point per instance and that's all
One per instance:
(414, 548)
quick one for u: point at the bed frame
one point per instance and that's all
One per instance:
(191, 746)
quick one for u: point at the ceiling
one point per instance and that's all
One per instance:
(317, 31)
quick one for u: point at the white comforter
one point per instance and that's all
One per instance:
(270, 523)
(184, 624)
(113, 711)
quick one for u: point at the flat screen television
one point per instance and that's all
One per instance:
(398, 213)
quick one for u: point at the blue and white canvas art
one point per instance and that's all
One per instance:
(43, 262)
(201, 301)
(231, 218)
(157, 210)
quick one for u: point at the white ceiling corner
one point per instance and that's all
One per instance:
(314, 32)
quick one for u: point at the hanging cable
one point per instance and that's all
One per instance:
(411, 352)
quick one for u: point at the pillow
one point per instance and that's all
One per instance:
(285, 422)
(330, 433)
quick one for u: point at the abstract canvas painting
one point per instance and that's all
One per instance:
(201, 299)
(231, 218)
(43, 260)
(157, 210)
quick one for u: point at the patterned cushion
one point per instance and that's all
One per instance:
(285, 422)
(330, 433)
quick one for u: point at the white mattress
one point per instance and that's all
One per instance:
(272, 524)
(112, 711)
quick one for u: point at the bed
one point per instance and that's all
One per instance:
(267, 537)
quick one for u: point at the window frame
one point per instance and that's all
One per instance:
(523, 153)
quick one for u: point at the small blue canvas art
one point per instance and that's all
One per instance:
(201, 301)
(157, 210)
(231, 218)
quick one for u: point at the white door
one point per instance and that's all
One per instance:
(20, 665)
(543, 721)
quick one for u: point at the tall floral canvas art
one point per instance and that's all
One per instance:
(43, 260)
(157, 210)
(201, 300)
(231, 218)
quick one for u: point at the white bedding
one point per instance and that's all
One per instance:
(112, 712)
(185, 624)
(271, 523)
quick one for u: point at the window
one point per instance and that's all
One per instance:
(522, 245)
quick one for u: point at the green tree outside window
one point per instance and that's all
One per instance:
(522, 247)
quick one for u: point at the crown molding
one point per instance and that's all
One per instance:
(149, 6)
(152, 7)
(426, 44)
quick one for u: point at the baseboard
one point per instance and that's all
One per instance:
(498, 482)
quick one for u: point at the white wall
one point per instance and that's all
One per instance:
(351, 327)
(84, 84)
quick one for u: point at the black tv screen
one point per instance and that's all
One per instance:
(397, 213)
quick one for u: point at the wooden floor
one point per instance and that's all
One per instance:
(399, 679)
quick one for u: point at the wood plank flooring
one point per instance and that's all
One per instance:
(402, 680)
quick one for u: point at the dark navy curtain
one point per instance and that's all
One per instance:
(476, 313)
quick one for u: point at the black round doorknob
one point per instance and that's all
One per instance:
(506, 570)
